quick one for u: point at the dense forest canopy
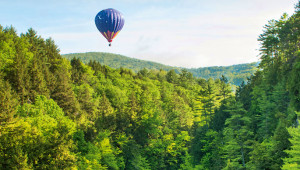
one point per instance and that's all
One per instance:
(61, 114)
(235, 74)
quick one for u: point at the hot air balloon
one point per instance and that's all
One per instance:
(109, 22)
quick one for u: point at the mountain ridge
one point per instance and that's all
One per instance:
(236, 74)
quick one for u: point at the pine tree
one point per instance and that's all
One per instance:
(77, 71)
(172, 77)
(294, 85)
(18, 73)
(225, 88)
(208, 100)
(63, 93)
(37, 81)
(221, 114)
(8, 102)
(293, 161)
(106, 115)
(280, 143)
(84, 94)
(238, 137)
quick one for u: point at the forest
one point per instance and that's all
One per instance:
(235, 74)
(63, 114)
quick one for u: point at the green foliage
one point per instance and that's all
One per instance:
(293, 161)
(236, 74)
(238, 137)
(117, 61)
(294, 84)
(61, 114)
(8, 102)
(26, 142)
(270, 97)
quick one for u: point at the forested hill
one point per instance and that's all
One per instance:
(61, 114)
(235, 74)
(117, 61)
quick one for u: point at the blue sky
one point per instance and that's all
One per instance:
(186, 33)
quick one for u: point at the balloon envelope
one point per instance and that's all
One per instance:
(109, 22)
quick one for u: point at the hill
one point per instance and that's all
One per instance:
(117, 61)
(235, 73)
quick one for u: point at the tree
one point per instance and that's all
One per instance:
(106, 115)
(18, 72)
(293, 161)
(260, 156)
(8, 102)
(221, 115)
(171, 76)
(84, 94)
(280, 142)
(77, 75)
(207, 149)
(38, 84)
(63, 93)
(185, 78)
(225, 88)
(238, 137)
(208, 100)
(41, 138)
(294, 85)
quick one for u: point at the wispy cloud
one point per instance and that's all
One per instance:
(190, 33)
(193, 40)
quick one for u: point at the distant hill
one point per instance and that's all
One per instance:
(117, 61)
(235, 73)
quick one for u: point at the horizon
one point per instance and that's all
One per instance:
(162, 63)
(189, 34)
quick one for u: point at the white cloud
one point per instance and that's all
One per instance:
(179, 33)
(224, 38)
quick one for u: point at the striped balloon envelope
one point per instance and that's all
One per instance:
(109, 22)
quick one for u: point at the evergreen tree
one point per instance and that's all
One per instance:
(225, 87)
(172, 77)
(18, 73)
(293, 161)
(63, 93)
(294, 85)
(106, 115)
(208, 99)
(238, 137)
(77, 71)
(37, 81)
(280, 143)
(8, 102)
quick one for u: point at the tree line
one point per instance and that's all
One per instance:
(235, 74)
